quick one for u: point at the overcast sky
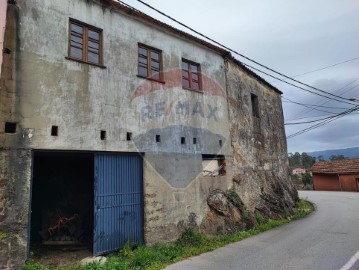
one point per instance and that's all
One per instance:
(292, 37)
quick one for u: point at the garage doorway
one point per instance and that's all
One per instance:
(62, 202)
(86, 201)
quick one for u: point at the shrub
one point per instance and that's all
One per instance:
(260, 219)
(31, 265)
(190, 238)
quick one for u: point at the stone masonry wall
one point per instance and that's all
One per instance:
(260, 163)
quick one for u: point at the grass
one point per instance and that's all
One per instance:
(2, 235)
(188, 245)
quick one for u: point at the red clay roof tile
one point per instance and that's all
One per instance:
(346, 166)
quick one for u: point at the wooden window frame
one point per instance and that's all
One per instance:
(190, 81)
(149, 61)
(85, 41)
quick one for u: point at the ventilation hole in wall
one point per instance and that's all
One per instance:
(10, 127)
(129, 136)
(54, 130)
(220, 143)
(103, 135)
(183, 140)
(158, 138)
(6, 51)
(194, 140)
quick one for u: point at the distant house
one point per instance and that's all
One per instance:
(298, 171)
(339, 175)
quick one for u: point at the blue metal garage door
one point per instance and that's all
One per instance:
(118, 202)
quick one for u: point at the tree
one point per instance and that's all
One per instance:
(307, 179)
(301, 160)
(296, 178)
(295, 160)
(307, 160)
(337, 157)
(320, 158)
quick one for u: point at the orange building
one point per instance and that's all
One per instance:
(339, 175)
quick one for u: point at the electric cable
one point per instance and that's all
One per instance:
(326, 67)
(315, 116)
(305, 111)
(355, 108)
(297, 85)
(243, 56)
(311, 105)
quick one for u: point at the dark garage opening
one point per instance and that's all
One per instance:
(62, 202)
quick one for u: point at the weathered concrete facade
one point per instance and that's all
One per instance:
(41, 88)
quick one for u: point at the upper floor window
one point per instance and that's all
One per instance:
(149, 62)
(85, 43)
(255, 105)
(190, 75)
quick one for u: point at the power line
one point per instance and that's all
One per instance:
(307, 122)
(312, 121)
(305, 111)
(326, 67)
(307, 90)
(313, 127)
(318, 110)
(355, 108)
(316, 116)
(245, 57)
(311, 105)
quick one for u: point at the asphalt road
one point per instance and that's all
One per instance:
(326, 240)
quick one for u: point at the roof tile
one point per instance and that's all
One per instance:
(346, 166)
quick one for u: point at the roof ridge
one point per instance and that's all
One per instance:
(223, 52)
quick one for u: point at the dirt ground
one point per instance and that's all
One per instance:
(59, 255)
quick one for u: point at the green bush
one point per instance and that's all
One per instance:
(92, 266)
(31, 265)
(259, 218)
(190, 238)
(2, 235)
(144, 257)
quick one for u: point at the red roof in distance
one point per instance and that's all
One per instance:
(345, 166)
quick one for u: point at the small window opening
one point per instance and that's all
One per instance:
(255, 106)
(213, 165)
(54, 130)
(194, 140)
(183, 140)
(158, 138)
(129, 136)
(10, 127)
(103, 135)
(220, 143)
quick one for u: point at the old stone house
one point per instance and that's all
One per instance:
(116, 127)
